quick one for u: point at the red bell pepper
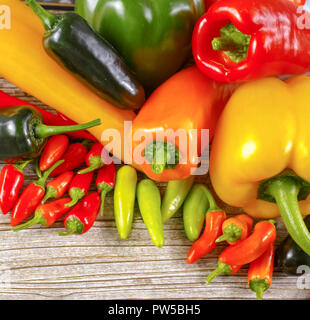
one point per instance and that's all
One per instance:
(82, 217)
(11, 182)
(105, 182)
(53, 151)
(47, 214)
(31, 198)
(243, 40)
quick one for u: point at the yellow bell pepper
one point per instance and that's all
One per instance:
(25, 63)
(260, 156)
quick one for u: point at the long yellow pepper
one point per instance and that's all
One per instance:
(260, 157)
(24, 62)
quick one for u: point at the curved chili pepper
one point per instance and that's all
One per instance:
(175, 194)
(58, 186)
(73, 158)
(105, 182)
(194, 210)
(95, 159)
(11, 182)
(249, 249)
(236, 228)
(260, 272)
(213, 229)
(46, 214)
(149, 202)
(124, 199)
(31, 198)
(53, 151)
(79, 187)
(82, 217)
(222, 268)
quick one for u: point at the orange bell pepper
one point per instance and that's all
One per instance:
(186, 101)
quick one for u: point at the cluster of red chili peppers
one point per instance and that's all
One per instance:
(246, 246)
(59, 159)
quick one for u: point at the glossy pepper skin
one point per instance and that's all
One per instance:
(195, 208)
(252, 152)
(289, 256)
(83, 216)
(260, 272)
(23, 133)
(57, 88)
(273, 49)
(124, 199)
(149, 201)
(153, 36)
(73, 43)
(175, 99)
(30, 198)
(11, 181)
(175, 195)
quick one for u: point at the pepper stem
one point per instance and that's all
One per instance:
(104, 190)
(20, 166)
(37, 219)
(234, 43)
(221, 269)
(51, 192)
(76, 195)
(285, 190)
(73, 225)
(44, 131)
(232, 233)
(95, 163)
(259, 286)
(46, 17)
(42, 180)
(162, 155)
(212, 204)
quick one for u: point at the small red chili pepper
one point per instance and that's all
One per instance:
(222, 268)
(96, 158)
(213, 229)
(105, 182)
(249, 249)
(82, 217)
(11, 182)
(79, 187)
(55, 148)
(31, 198)
(47, 214)
(58, 186)
(73, 158)
(236, 228)
(260, 272)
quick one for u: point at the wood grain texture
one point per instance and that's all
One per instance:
(38, 264)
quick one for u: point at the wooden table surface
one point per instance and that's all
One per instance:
(38, 264)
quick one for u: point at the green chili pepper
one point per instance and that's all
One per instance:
(153, 36)
(74, 44)
(175, 194)
(149, 201)
(124, 199)
(23, 134)
(194, 210)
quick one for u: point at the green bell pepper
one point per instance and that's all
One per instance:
(153, 36)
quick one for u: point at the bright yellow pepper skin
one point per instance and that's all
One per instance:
(25, 63)
(263, 131)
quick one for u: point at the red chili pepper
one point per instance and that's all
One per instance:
(31, 198)
(58, 186)
(47, 214)
(53, 151)
(249, 249)
(73, 158)
(79, 187)
(82, 217)
(213, 229)
(105, 182)
(222, 268)
(260, 272)
(49, 118)
(11, 182)
(236, 228)
(96, 158)
(270, 35)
